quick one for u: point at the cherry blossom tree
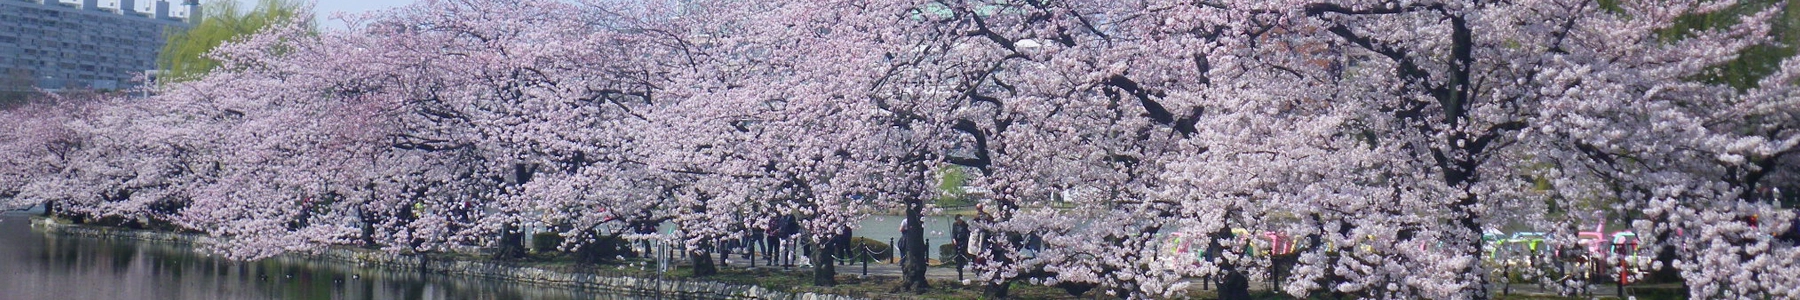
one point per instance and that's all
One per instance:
(1365, 95)
(96, 158)
(1476, 93)
(890, 62)
(1371, 142)
(38, 144)
(1692, 169)
(744, 132)
(289, 146)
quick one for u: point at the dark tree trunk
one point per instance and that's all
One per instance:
(998, 290)
(1666, 254)
(599, 247)
(824, 271)
(1461, 172)
(703, 264)
(912, 240)
(424, 262)
(1233, 285)
(1476, 272)
(368, 230)
(512, 243)
(49, 208)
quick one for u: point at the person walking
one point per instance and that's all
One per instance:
(842, 244)
(976, 239)
(959, 239)
(900, 247)
(772, 240)
(789, 228)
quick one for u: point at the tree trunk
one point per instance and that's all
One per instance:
(996, 290)
(703, 264)
(424, 262)
(1665, 253)
(1475, 273)
(824, 269)
(598, 248)
(368, 230)
(50, 208)
(1233, 285)
(512, 243)
(912, 239)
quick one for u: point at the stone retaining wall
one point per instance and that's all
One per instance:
(684, 289)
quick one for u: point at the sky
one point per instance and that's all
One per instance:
(325, 8)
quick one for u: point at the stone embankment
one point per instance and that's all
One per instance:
(632, 285)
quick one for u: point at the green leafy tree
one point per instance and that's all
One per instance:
(951, 182)
(1759, 61)
(183, 55)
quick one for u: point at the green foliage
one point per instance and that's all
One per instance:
(951, 180)
(948, 253)
(183, 56)
(1756, 62)
(545, 242)
(602, 249)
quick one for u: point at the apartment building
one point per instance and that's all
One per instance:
(84, 44)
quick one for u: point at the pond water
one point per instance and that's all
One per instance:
(887, 228)
(34, 265)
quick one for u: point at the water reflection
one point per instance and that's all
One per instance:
(39, 266)
(887, 228)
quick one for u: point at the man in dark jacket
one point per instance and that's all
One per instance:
(772, 240)
(959, 235)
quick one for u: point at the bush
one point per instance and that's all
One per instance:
(882, 251)
(545, 242)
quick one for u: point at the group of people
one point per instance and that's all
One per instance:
(779, 232)
(776, 244)
(969, 243)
